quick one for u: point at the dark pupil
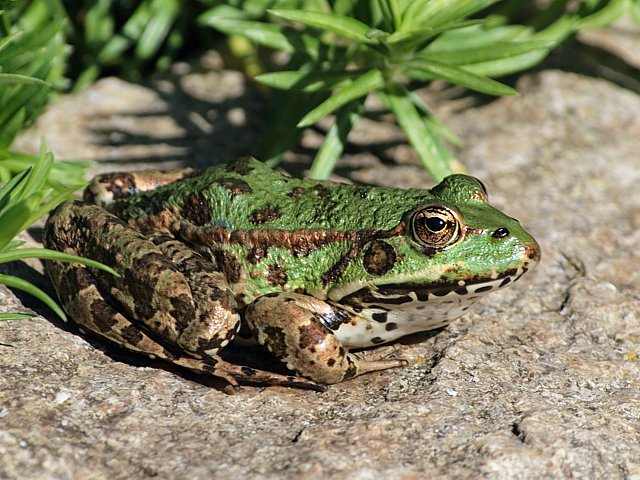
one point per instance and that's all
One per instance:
(435, 224)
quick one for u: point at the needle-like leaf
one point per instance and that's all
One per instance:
(423, 69)
(20, 284)
(340, 24)
(372, 80)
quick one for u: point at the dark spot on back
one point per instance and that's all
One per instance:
(240, 166)
(196, 208)
(276, 275)
(157, 201)
(296, 192)
(377, 340)
(391, 326)
(235, 186)
(257, 253)
(322, 191)
(505, 282)
(265, 215)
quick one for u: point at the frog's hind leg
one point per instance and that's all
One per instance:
(294, 328)
(150, 290)
(206, 285)
(93, 313)
(106, 188)
(153, 307)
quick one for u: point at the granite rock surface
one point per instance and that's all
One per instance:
(541, 380)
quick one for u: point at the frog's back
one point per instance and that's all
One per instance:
(247, 194)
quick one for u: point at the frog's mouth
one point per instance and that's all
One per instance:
(399, 294)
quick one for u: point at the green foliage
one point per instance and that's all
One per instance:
(33, 55)
(129, 38)
(342, 51)
(32, 61)
(23, 200)
(338, 53)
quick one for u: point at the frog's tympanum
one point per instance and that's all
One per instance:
(310, 270)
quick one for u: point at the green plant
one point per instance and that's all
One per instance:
(33, 56)
(342, 51)
(129, 38)
(32, 61)
(23, 200)
(33, 53)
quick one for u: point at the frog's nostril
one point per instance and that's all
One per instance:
(532, 251)
(501, 232)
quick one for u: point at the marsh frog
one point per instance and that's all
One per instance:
(310, 270)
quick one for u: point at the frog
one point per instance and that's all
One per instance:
(327, 276)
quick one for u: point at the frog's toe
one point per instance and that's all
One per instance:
(378, 359)
(379, 353)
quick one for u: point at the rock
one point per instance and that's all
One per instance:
(541, 380)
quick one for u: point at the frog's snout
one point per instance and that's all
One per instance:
(531, 251)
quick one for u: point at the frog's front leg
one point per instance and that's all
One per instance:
(292, 327)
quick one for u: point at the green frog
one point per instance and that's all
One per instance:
(315, 271)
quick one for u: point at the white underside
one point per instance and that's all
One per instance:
(410, 317)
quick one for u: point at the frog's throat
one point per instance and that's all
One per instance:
(408, 289)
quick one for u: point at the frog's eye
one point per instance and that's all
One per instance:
(435, 227)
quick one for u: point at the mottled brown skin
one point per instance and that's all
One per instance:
(194, 316)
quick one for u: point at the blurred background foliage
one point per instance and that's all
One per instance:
(336, 52)
(317, 58)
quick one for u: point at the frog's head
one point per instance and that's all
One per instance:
(451, 248)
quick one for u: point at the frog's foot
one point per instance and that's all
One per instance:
(293, 328)
(379, 353)
(238, 374)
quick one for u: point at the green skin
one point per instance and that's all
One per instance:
(309, 269)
